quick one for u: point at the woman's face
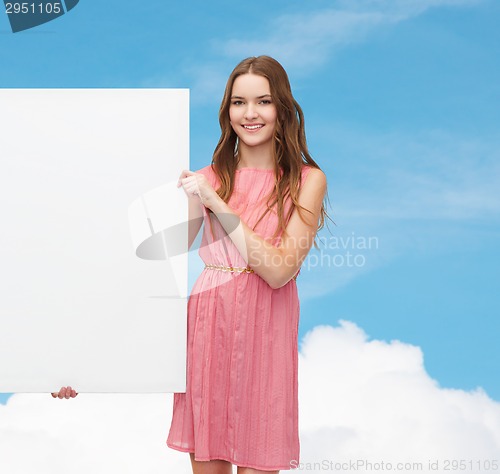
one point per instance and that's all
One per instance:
(252, 112)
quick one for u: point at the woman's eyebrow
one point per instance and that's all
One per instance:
(259, 97)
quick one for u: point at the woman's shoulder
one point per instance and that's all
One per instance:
(313, 185)
(314, 171)
(306, 169)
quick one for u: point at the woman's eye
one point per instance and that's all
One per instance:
(237, 102)
(265, 101)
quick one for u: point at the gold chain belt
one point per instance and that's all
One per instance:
(235, 269)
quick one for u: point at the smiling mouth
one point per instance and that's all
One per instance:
(252, 127)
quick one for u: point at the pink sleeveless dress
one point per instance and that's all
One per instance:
(241, 400)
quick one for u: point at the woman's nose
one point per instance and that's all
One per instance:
(250, 112)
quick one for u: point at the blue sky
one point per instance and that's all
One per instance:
(401, 105)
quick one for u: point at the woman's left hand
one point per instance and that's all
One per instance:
(196, 184)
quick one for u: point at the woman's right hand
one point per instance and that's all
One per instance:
(65, 392)
(196, 186)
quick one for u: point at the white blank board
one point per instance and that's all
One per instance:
(86, 174)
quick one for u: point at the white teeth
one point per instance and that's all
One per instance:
(252, 127)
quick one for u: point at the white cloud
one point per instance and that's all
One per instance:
(302, 41)
(96, 433)
(426, 175)
(363, 399)
(359, 399)
(306, 40)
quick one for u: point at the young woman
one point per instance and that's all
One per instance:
(261, 200)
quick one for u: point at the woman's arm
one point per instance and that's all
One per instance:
(277, 265)
(195, 216)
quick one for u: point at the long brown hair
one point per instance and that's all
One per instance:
(289, 147)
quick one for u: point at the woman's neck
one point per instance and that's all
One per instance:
(255, 157)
